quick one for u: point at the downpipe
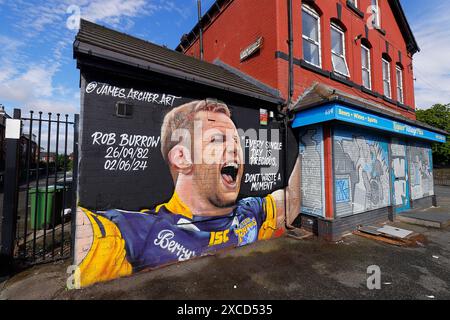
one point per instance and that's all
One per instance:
(287, 111)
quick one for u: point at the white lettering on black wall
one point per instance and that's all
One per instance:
(263, 153)
(104, 89)
(125, 152)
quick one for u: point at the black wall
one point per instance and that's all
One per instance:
(101, 189)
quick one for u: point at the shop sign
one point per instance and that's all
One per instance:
(347, 114)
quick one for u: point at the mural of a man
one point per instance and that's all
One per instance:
(203, 214)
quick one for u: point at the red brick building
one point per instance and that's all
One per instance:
(345, 69)
(231, 26)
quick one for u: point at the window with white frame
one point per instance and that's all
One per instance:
(365, 64)
(311, 36)
(354, 3)
(376, 14)
(399, 78)
(387, 78)
(338, 51)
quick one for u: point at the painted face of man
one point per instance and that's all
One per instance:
(218, 159)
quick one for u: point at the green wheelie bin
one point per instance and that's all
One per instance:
(41, 215)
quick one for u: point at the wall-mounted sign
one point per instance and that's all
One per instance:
(251, 49)
(12, 130)
(263, 117)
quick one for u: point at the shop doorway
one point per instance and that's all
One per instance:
(400, 177)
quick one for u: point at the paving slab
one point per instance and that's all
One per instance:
(434, 217)
(395, 232)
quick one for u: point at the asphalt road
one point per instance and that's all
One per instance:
(277, 269)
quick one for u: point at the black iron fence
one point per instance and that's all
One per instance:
(40, 188)
(441, 176)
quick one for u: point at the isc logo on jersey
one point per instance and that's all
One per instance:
(218, 237)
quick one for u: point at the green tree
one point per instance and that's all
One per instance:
(438, 116)
(60, 163)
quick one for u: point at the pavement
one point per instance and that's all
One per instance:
(438, 217)
(282, 268)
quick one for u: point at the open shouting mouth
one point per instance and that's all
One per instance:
(229, 174)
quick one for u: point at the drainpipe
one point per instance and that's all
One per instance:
(291, 54)
(199, 7)
(289, 102)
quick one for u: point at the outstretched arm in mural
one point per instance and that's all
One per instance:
(285, 217)
(99, 249)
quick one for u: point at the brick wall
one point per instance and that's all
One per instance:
(242, 21)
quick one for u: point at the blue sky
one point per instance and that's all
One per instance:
(37, 70)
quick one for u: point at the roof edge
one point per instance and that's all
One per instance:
(81, 47)
(210, 15)
(412, 45)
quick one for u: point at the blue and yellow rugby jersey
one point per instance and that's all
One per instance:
(126, 242)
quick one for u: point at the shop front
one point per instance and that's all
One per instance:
(360, 166)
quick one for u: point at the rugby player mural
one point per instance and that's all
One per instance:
(204, 213)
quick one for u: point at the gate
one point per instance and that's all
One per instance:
(39, 199)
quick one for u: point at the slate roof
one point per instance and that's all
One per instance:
(96, 40)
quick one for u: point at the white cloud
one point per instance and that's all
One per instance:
(6, 72)
(21, 81)
(34, 88)
(432, 64)
(36, 19)
(8, 44)
(35, 82)
(113, 11)
(170, 6)
(61, 106)
(27, 81)
(30, 80)
(11, 57)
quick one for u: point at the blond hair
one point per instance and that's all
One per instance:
(182, 117)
